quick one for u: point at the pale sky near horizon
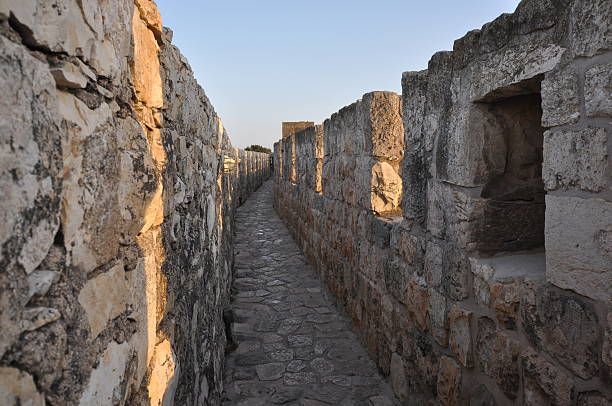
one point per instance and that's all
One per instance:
(268, 61)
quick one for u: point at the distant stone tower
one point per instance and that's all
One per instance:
(291, 127)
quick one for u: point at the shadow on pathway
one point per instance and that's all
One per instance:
(293, 346)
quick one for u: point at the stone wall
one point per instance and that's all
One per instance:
(118, 186)
(490, 282)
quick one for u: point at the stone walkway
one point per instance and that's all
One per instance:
(293, 347)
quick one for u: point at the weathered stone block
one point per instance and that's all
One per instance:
(104, 386)
(513, 70)
(590, 22)
(417, 302)
(438, 317)
(427, 363)
(449, 381)
(578, 254)
(476, 150)
(104, 297)
(597, 90)
(386, 189)
(460, 338)
(30, 157)
(434, 264)
(398, 377)
(575, 159)
(544, 383)
(560, 104)
(18, 388)
(385, 130)
(501, 282)
(497, 355)
(565, 326)
(405, 244)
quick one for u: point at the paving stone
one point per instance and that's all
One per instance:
(300, 378)
(294, 347)
(282, 355)
(270, 372)
(299, 341)
(322, 366)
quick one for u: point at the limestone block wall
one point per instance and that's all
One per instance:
(118, 186)
(492, 284)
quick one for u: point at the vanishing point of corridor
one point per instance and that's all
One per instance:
(291, 345)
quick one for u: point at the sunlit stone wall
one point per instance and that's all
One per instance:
(118, 186)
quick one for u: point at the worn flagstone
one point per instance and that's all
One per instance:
(291, 345)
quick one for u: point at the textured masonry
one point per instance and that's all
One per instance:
(490, 282)
(118, 186)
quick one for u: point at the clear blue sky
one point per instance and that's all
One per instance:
(267, 61)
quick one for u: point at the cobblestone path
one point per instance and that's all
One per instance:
(293, 347)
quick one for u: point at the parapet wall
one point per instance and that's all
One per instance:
(490, 282)
(118, 186)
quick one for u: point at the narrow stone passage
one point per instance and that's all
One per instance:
(293, 347)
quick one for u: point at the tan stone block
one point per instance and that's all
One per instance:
(386, 189)
(106, 379)
(150, 14)
(385, 129)
(18, 388)
(146, 68)
(104, 297)
(69, 75)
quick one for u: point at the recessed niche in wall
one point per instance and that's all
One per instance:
(513, 211)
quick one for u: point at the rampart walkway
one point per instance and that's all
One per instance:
(293, 345)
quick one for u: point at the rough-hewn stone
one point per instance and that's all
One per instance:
(566, 327)
(545, 383)
(449, 381)
(597, 89)
(576, 159)
(498, 356)
(578, 255)
(560, 103)
(460, 339)
(117, 208)
(18, 388)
